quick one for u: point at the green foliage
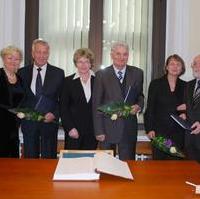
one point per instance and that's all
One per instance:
(120, 108)
(167, 146)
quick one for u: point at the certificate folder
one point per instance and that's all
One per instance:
(89, 168)
(183, 123)
(45, 104)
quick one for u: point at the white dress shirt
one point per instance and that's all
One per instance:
(123, 72)
(35, 72)
(86, 86)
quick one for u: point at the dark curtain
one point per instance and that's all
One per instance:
(96, 30)
(158, 37)
(31, 27)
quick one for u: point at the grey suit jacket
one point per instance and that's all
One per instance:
(107, 89)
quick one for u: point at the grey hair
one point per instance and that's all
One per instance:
(39, 41)
(119, 44)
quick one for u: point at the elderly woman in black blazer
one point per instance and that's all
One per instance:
(76, 103)
(11, 94)
(165, 95)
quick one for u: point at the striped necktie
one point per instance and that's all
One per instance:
(38, 86)
(120, 75)
(196, 95)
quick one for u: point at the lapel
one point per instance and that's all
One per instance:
(79, 89)
(191, 91)
(113, 82)
(47, 78)
(130, 78)
(29, 74)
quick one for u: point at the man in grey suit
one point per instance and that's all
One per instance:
(117, 83)
(192, 139)
(42, 83)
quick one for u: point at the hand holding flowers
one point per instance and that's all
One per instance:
(167, 145)
(32, 115)
(119, 109)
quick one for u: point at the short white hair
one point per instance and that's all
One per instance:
(119, 44)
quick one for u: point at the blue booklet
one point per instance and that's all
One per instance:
(45, 104)
(183, 123)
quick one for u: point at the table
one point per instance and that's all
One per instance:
(32, 178)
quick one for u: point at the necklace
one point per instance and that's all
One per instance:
(12, 78)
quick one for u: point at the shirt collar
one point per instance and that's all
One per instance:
(76, 76)
(42, 67)
(116, 70)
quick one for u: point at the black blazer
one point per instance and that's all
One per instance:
(51, 88)
(161, 103)
(75, 111)
(9, 98)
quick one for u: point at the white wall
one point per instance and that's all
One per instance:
(183, 31)
(12, 22)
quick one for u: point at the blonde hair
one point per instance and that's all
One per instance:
(84, 52)
(9, 50)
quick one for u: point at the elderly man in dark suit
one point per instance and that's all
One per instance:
(42, 83)
(192, 141)
(115, 84)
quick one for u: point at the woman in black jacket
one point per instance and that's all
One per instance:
(164, 96)
(76, 103)
(11, 94)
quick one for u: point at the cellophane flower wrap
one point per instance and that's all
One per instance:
(167, 145)
(116, 110)
(29, 114)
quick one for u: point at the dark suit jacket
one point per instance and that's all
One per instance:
(193, 112)
(192, 142)
(161, 103)
(75, 111)
(107, 89)
(51, 88)
(8, 99)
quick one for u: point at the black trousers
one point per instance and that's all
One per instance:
(84, 142)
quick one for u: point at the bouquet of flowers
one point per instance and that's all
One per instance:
(116, 110)
(29, 114)
(167, 145)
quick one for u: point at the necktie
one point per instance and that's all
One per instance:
(196, 96)
(120, 75)
(38, 86)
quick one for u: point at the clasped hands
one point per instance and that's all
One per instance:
(135, 109)
(49, 117)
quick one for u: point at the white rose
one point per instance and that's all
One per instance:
(20, 115)
(172, 149)
(114, 116)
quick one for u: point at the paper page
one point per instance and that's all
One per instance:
(106, 163)
(75, 169)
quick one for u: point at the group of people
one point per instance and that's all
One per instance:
(76, 98)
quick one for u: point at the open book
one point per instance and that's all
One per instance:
(89, 168)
